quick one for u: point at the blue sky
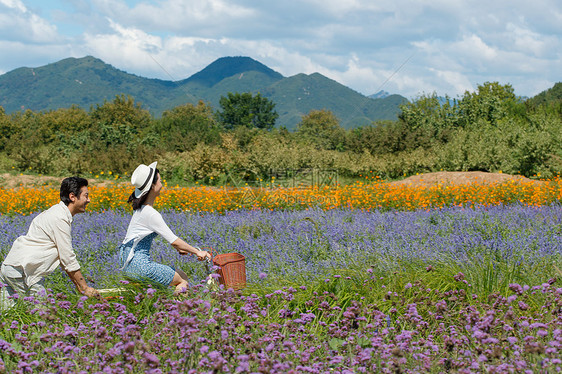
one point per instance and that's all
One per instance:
(405, 47)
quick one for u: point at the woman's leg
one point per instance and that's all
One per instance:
(179, 281)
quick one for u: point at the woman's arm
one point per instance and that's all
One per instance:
(183, 249)
(156, 223)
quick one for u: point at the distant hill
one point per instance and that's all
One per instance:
(553, 94)
(227, 67)
(84, 82)
(88, 81)
(379, 95)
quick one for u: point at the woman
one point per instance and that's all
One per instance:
(145, 225)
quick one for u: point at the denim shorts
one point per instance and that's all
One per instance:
(141, 267)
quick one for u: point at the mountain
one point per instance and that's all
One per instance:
(552, 95)
(226, 67)
(379, 95)
(301, 93)
(88, 81)
(83, 82)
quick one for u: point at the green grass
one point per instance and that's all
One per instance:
(390, 282)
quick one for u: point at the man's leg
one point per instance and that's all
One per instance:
(5, 292)
(38, 290)
(13, 283)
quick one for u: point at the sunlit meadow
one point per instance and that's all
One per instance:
(358, 278)
(365, 195)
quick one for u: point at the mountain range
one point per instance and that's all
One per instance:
(88, 81)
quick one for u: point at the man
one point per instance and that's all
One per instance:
(48, 244)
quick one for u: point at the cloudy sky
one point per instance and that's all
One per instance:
(405, 47)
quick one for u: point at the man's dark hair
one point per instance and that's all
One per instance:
(71, 185)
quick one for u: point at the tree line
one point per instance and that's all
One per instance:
(490, 129)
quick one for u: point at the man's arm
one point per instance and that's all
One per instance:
(78, 279)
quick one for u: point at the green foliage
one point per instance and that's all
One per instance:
(512, 146)
(321, 129)
(489, 130)
(6, 129)
(29, 141)
(490, 103)
(246, 110)
(185, 126)
(390, 138)
(427, 113)
(548, 97)
(121, 113)
(65, 122)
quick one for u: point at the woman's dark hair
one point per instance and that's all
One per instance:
(137, 202)
(71, 185)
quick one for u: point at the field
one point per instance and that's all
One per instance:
(369, 277)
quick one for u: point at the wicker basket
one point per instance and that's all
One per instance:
(232, 270)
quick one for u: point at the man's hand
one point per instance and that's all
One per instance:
(78, 279)
(91, 292)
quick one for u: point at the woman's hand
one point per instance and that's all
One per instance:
(203, 255)
(183, 249)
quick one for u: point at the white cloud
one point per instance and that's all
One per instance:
(18, 24)
(17, 54)
(355, 75)
(455, 81)
(359, 43)
(125, 47)
(14, 4)
(209, 17)
(474, 48)
(525, 40)
(340, 8)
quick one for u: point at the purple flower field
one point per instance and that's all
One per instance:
(343, 291)
(305, 243)
(227, 332)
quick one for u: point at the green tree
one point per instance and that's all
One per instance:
(379, 138)
(63, 123)
(6, 129)
(491, 102)
(428, 120)
(322, 129)
(118, 138)
(30, 145)
(183, 127)
(426, 112)
(246, 110)
(119, 121)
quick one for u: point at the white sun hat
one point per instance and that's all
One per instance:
(142, 178)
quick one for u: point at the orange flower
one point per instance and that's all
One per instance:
(360, 195)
